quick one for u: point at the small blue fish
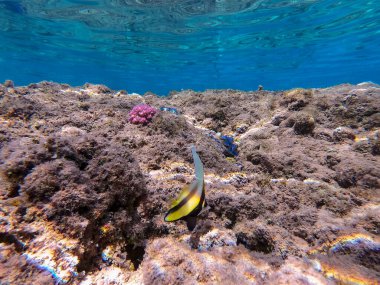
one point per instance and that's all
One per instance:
(231, 147)
(170, 110)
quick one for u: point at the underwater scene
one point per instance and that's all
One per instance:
(180, 142)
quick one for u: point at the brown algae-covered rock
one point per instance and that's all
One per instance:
(303, 124)
(343, 133)
(83, 192)
(169, 262)
(9, 83)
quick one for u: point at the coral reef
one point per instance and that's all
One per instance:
(83, 191)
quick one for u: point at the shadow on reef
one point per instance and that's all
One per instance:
(83, 192)
(88, 187)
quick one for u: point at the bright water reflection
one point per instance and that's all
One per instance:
(161, 45)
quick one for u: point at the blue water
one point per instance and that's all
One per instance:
(161, 45)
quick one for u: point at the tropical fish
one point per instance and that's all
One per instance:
(192, 198)
(170, 109)
(231, 147)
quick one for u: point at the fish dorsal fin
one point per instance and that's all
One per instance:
(199, 172)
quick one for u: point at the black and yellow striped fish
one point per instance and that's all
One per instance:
(192, 198)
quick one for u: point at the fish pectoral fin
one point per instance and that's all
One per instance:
(204, 210)
(191, 222)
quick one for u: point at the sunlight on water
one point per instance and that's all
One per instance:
(160, 45)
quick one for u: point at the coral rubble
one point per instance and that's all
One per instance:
(83, 191)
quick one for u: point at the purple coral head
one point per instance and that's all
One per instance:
(141, 114)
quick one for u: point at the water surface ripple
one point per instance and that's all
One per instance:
(160, 45)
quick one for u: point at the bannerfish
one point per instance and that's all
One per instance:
(192, 198)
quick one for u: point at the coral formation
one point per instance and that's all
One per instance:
(9, 84)
(141, 114)
(83, 192)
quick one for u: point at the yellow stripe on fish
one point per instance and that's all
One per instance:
(191, 200)
(189, 204)
(184, 193)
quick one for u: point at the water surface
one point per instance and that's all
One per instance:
(161, 45)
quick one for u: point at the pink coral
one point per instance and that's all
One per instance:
(141, 114)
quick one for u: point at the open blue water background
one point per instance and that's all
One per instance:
(161, 45)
